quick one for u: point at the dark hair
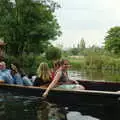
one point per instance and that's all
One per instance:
(30, 75)
(57, 63)
(20, 70)
(62, 61)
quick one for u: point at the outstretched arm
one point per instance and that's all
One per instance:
(52, 84)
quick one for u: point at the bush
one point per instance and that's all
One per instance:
(53, 53)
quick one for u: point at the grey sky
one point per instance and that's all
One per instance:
(88, 19)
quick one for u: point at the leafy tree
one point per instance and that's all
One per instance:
(112, 40)
(28, 25)
(53, 53)
(82, 44)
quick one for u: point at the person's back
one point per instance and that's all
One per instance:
(43, 75)
(39, 81)
(27, 81)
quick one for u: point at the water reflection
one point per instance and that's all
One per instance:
(47, 111)
(17, 107)
(14, 107)
(79, 116)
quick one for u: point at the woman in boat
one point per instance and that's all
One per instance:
(16, 74)
(43, 75)
(61, 79)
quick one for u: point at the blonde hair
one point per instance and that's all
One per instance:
(43, 71)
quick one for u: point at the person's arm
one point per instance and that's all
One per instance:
(52, 84)
(75, 81)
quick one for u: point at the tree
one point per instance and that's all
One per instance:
(28, 25)
(53, 53)
(74, 51)
(112, 40)
(82, 44)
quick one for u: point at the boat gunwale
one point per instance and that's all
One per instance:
(63, 90)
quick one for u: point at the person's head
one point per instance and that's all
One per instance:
(43, 71)
(57, 64)
(2, 65)
(64, 64)
(15, 68)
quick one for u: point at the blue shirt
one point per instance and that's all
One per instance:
(6, 76)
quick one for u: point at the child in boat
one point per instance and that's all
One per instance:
(61, 79)
(43, 75)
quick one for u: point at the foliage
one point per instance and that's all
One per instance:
(53, 53)
(74, 51)
(77, 63)
(28, 25)
(82, 44)
(112, 40)
(28, 63)
(94, 61)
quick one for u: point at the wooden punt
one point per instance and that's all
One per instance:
(96, 93)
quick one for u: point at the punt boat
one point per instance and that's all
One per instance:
(96, 93)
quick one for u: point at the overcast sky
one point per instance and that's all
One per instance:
(88, 19)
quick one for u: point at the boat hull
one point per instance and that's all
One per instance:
(67, 97)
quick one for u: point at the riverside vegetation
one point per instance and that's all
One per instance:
(29, 35)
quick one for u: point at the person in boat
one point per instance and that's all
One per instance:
(5, 74)
(43, 75)
(56, 65)
(12, 75)
(16, 74)
(27, 80)
(61, 79)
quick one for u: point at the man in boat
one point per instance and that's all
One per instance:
(5, 75)
(61, 79)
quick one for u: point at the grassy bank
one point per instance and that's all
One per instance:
(97, 62)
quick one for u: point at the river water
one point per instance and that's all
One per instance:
(94, 75)
(14, 107)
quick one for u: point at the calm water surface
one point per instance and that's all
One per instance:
(14, 107)
(95, 75)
